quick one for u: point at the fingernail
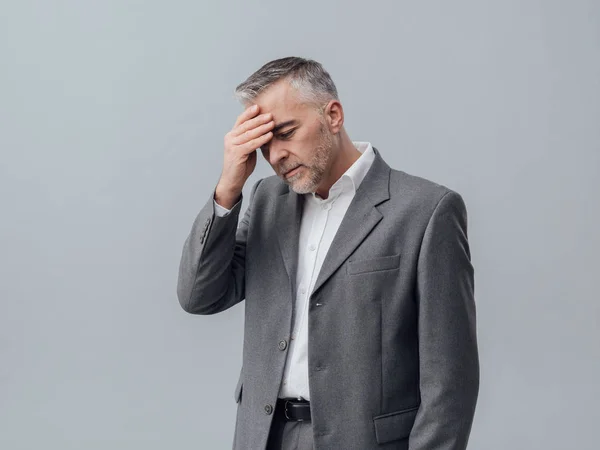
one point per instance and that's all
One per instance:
(254, 107)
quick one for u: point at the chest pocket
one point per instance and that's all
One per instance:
(373, 264)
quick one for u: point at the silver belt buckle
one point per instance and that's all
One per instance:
(286, 413)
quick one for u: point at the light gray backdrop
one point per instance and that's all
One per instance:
(112, 117)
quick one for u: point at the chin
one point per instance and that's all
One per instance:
(300, 190)
(301, 186)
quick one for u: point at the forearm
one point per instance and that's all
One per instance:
(212, 263)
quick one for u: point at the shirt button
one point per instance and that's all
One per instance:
(302, 291)
(268, 409)
(312, 247)
(282, 344)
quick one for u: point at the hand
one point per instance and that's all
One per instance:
(250, 132)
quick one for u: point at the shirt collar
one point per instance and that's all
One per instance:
(352, 178)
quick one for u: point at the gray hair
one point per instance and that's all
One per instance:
(308, 77)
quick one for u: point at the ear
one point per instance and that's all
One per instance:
(334, 116)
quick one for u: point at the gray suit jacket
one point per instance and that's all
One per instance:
(392, 352)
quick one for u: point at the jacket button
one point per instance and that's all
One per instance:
(282, 345)
(268, 409)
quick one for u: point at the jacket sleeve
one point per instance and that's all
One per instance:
(212, 267)
(448, 354)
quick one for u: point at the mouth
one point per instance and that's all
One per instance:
(292, 172)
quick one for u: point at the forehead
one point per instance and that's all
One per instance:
(281, 100)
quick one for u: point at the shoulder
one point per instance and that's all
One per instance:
(422, 195)
(273, 184)
(267, 189)
(270, 186)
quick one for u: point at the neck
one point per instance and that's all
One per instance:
(345, 156)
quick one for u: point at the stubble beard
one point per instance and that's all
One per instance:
(305, 183)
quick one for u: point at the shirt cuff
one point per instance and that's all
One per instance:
(221, 211)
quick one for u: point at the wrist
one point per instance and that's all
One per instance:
(227, 198)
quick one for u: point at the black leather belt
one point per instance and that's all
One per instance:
(293, 409)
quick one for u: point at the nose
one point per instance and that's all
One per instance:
(274, 152)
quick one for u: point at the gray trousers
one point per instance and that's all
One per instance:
(289, 435)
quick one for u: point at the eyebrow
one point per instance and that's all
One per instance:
(278, 127)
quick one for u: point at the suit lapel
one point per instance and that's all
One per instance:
(360, 218)
(288, 215)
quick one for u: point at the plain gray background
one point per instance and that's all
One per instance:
(112, 117)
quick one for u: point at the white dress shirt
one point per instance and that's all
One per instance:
(321, 219)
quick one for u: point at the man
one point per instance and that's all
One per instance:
(359, 315)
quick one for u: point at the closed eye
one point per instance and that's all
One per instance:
(282, 136)
(287, 134)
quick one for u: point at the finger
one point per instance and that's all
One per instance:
(247, 114)
(253, 133)
(254, 144)
(250, 124)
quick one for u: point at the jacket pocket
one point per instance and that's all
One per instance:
(395, 425)
(237, 394)
(373, 264)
